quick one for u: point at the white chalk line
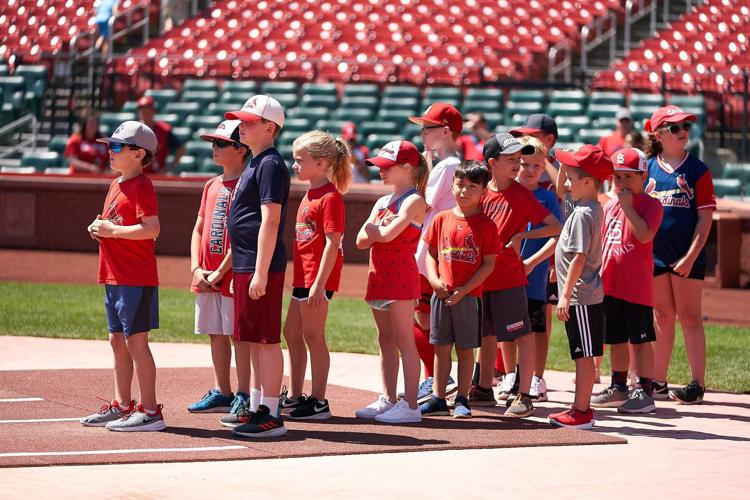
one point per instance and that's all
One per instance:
(120, 452)
(20, 400)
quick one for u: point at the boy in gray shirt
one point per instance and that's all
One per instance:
(578, 260)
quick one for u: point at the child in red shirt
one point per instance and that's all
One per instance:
(126, 231)
(323, 161)
(462, 246)
(392, 233)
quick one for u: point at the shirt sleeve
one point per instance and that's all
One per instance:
(438, 186)
(704, 192)
(146, 205)
(579, 233)
(333, 210)
(490, 240)
(204, 198)
(72, 147)
(430, 236)
(653, 215)
(271, 183)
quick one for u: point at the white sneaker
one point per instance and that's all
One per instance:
(538, 391)
(381, 405)
(506, 386)
(400, 413)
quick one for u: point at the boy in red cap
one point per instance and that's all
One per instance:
(578, 260)
(631, 219)
(441, 125)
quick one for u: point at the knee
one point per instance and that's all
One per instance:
(690, 321)
(664, 315)
(314, 337)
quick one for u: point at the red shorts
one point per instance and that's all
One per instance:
(425, 290)
(258, 321)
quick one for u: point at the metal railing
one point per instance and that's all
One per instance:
(597, 32)
(635, 10)
(130, 25)
(560, 61)
(12, 127)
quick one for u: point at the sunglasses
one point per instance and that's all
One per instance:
(117, 147)
(220, 143)
(674, 129)
(425, 129)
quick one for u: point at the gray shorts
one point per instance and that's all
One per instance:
(506, 314)
(460, 324)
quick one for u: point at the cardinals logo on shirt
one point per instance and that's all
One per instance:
(305, 230)
(679, 197)
(685, 187)
(466, 253)
(219, 222)
(112, 215)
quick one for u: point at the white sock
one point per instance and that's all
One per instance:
(254, 399)
(272, 404)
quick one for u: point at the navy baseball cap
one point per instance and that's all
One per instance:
(537, 122)
(504, 144)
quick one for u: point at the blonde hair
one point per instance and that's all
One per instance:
(322, 145)
(420, 175)
(539, 147)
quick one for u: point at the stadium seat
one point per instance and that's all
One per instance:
(530, 96)
(187, 163)
(370, 103)
(481, 106)
(727, 187)
(57, 144)
(202, 97)
(199, 149)
(444, 94)
(209, 166)
(182, 109)
(379, 127)
(312, 114)
(326, 89)
(592, 135)
(319, 101)
(195, 122)
(574, 123)
(288, 137)
(221, 108)
(568, 96)
(353, 115)
(184, 134)
(429, 101)
(129, 107)
(40, 160)
(411, 130)
(297, 125)
(13, 93)
(362, 90)
(235, 97)
(35, 80)
(111, 121)
(172, 119)
(286, 152)
(376, 141)
(739, 171)
(401, 91)
(331, 126)
(556, 109)
(162, 97)
(287, 100)
(595, 111)
(484, 94)
(522, 108)
(409, 104)
(192, 84)
(603, 97)
(565, 134)
(641, 113)
(245, 87)
(272, 88)
(397, 115)
(493, 119)
(652, 100)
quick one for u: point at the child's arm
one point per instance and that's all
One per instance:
(199, 275)
(551, 171)
(327, 262)
(412, 208)
(363, 240)
(148, 229)
(543, 254)
(433, 276)
(574, 272)
(561, 178)
(270, 218)
(550, 227)
(488, 265)
(638, 226)
(700, 235)
(216, 276)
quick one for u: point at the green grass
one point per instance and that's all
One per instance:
(75, 311)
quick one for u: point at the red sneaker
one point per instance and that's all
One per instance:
(573, 418)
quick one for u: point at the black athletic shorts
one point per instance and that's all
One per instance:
(696, 273)
(585, 331)
(552, 293)
(627, 322)
(299, 293)
(538, 316)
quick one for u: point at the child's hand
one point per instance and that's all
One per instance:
(257, 288)
(371, 230)
(231, 286)
(683, 266)
(315, 298)
(527, 267)
(441, 289)
(388, 220)
(90, 229)
(102, 228)
(625, 197)
(199, 280)
(515, 243)
(458, 294)
(563, 309)
(213, 279)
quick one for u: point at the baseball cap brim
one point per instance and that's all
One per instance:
(525, 149)
(380, 162)
(566, 158)
(242, 116)
(678, 117)
(623, 168)
(109, 140)
(424, 121)
(214, 137)
(524, 131)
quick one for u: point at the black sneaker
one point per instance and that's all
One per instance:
(311, 409)
(691, 394)
(479, 396)
(287, 404)
(262, 425)
(659, 390)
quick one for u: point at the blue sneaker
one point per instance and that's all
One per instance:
(424, 392)
(212, 402)
(461, 408)
(241, 399)
(435, 406)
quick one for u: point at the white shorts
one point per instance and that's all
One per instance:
(214, 314)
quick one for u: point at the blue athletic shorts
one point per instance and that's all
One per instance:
(132, 309)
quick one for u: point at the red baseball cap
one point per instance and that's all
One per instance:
(629, 160)
(441, 113)
(147, 101)
(396, 153)
(667, 114)
(349, 131)
(589, 158)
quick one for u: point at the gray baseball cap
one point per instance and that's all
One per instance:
(505, 144)
(135, 134)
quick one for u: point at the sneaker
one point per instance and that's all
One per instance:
(435, 406)
(481, 397)
(573, 418)
(400, 413)
(538, 390)
(311, 409)
(213, 402)
(611, 397)
(287, 404)
(461, 408)
(241, 400)
(139, 421)
(261, 425)
(107, 413)
(243, 416)
(639, 402)
(506, 386)
(521, 407)
(381, 405)
(424, 391)
(660, 390)
(691, 394)
(451, 387)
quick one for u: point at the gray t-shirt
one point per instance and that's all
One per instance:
(581, 233)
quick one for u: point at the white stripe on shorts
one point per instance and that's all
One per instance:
(583, 329)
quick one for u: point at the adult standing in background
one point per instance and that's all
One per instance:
(360, 171)
(84, 153)
(616, 140)
(167, 142)
(470, 145)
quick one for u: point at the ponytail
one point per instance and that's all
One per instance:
(322, 145)
(420, 175)
(652, 147)
(340, 171)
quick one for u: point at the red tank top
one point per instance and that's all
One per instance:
(393, 273)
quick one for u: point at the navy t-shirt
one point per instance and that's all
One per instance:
(265, 180)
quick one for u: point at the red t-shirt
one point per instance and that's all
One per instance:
(611, 143)
(511, 209)
(627, 264)
(128, 262)
(470, 147)
(217, 195)
(461, 243)
(162, 132)
(321, 212)
(88, 151)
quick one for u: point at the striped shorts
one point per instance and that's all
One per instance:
(585, 330)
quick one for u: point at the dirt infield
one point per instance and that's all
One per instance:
(190, 437)
(719, 305)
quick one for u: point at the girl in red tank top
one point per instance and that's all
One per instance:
(392, 233)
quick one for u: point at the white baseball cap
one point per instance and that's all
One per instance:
(228, 130)
(135, 134)
(257, 107)
(630, 160)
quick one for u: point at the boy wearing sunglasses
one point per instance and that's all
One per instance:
(211, 267)
(126, 231)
